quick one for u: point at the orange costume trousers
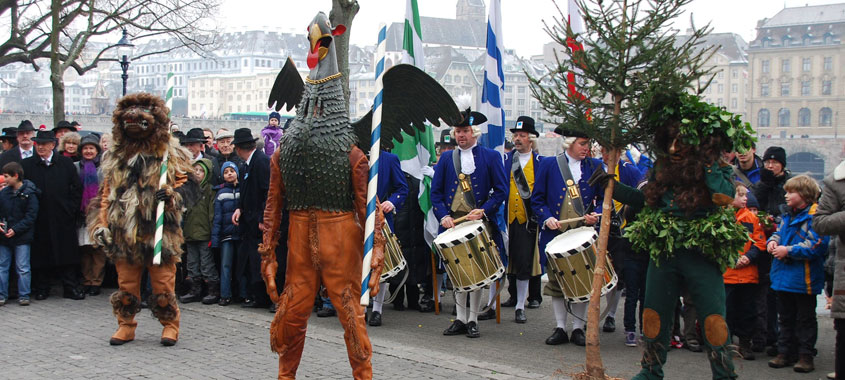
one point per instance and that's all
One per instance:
(126, 301)
(323, 248)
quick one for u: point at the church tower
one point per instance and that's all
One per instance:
(471, 10)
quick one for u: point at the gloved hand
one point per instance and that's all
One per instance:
(600, 178)
(163, 196)
(427, 171)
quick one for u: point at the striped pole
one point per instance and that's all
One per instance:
(372, 185)
(168, 96)
(162, 179)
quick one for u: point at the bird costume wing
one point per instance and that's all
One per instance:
(287, 89)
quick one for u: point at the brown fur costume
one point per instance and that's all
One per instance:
(122, 217)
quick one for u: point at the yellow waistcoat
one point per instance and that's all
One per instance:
(516, 208)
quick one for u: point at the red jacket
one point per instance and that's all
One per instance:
(752, 249)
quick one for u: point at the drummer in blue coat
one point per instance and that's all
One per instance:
(472, 183)
(392, 191)
(556, 192)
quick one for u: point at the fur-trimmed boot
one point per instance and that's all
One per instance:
(194, 295)
(163, 301)
(125, 307)
(213, 293)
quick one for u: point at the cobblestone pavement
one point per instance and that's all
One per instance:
(64, 339)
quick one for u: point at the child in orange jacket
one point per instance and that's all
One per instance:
(741, 281)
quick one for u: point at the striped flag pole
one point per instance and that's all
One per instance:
(372, 185)
(162, 179)
(168, 96)
(493, 88)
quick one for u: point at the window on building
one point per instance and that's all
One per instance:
(508, 113)
(804, 117)
(520, 102)
(721, 74)
(765, 66)
(827, 86)
(734, 103)
(783, 117)
(828, 63)
(248, 97)
(734, 88)
(721, 89)
(785, 65)
(806, 65)
(520, 89)
(466, 80)
(825, 117)
(246, 63)
(238, 97)
(784, 88)
(734, 74)
(231, 85)
(508, 101)
(763, 118)
(719, 102)
(805, 88)
(764, 89)
(447, 79)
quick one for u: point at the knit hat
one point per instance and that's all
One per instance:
(752, 202)
(229, 164)
(275, 115)
(775, 153)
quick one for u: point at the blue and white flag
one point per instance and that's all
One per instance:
(493, 132)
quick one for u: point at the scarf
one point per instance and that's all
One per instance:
(90, 182)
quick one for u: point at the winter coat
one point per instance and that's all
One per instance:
(769, 191)
(55, 242)
(271, 136)
(198, 218)
(19, 208)
(830, 220)
(225, 204)
(802, 270)
(219, 160)
(752, 249)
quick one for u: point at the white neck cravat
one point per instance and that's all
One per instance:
(523, 158)
(574, 168)
(467, 160)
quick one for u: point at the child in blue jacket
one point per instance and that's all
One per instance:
(224, 234)
(797, 275)
(18, 210)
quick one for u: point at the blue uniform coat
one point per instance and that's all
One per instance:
(391, 184)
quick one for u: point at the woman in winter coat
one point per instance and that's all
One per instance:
(93, 260)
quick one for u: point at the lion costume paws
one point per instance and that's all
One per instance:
(101, 237)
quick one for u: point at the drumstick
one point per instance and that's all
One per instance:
(570, 220)
(461, 219)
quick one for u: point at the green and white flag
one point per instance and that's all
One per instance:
(417, 151)
(168, 96)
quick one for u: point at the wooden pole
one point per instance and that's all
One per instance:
(435, 288)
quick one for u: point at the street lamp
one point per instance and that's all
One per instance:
(124, 49)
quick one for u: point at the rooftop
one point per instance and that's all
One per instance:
(817, 14)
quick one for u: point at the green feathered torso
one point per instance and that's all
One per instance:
(314, 151)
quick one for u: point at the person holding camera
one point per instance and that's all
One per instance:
(18, 210)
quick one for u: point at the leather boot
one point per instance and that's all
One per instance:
(194, 295)
(805, 364)
(745, 350)
(163, 301)
(213, 293)
(126, 302)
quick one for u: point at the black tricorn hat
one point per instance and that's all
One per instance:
(44, 137)
(446, 138)
(243, 135)
(64, 124)
(470, 118)
(570, 133)
(194, 135)
(525, 124)
(24, 126)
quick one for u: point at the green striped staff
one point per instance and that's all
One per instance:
(162, 180)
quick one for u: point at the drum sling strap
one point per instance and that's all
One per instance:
(573, 193)
(522, 187)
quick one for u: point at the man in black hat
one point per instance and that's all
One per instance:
(254, 182)
(194, 141)
(470, 181)
(8, 139)
(24, 133)
(559, 183)
(446, 142)
(63, 127)
(55, 244)
(524, 257)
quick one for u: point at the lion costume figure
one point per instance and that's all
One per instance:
(122, 217)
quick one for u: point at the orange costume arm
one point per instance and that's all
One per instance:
(272, 220)
(360, 177)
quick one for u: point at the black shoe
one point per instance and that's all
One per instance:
(533, 304)
(93, 290)
(326, 312)
(249, 303)
(489, 314)
(427, 307)
(457, 328)
(578, 337)
(509, 303)
(224, 301)
(375, 319)
(190, 297)
(273, 307)
(42, 295)
(520, 316)
(609, 325)
(74, 294)
(399, 306)
(472, 330)
(772, 351)
(694, 346)
(558, 337)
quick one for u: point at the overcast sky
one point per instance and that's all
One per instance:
(522, 19)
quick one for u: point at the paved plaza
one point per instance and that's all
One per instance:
(64, 339)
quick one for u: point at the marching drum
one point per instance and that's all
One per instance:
(470, 256)
(572, 258)
(394, 261)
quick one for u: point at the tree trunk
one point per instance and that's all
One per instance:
(56, 66)
(343, 11)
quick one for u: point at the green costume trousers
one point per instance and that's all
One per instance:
(663, 285)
